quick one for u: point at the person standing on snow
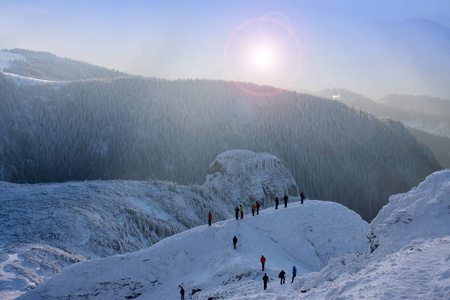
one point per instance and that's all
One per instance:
(237, 212)
(181, 292)
(209, 218)
(302, 197)
(294, 273)
(253, 209)
(285, 200)
(235, 242)
(265, 279)
(276, 203)
(282, 277)
(263, 261)
(257, 207)
(242, 212)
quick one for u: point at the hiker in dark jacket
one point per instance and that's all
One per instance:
(285, 200)
(237, 212)
(235, 242)
(302, 197)
(265, 279)
(282, 277)
(276, 203)
(257, 207)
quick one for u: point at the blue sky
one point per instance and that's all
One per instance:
(310, 41)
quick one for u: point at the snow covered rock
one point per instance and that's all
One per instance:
(203, 258)
(423, 212)
(246, 176)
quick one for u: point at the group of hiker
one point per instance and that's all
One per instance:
(281, 275)
(256, 206)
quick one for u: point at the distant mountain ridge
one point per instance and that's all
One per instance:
(44, 65)
(427, 117)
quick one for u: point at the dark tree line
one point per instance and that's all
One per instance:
(141, 128)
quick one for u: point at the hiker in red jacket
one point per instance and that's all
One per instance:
(181, 292)
(209, 218)
(253, 209)
(263, 261)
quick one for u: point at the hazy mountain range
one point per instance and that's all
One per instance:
(427, 118)
(130, 127)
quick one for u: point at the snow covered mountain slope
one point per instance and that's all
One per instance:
(409, 263)
(203, 258)
(412, 256)
(423, 212)
(46, 227)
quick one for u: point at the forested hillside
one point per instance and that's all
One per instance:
(44, 65)
(141, 128)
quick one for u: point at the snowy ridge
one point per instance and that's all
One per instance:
(203, 261)
(47, 227)
(423, 212)
(20, 80)
(410, 240)
(203, 258)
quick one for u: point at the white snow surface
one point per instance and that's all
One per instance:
(203, 257)
(423, 212)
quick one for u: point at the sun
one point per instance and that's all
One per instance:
(262, 57)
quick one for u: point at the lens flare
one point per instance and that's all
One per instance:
(255, 55)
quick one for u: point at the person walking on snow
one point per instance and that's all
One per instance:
(181, 292)
(285, 200)
(276, 203)
(242, 212)
(282, 277)
(209, 218)
(294, 273)
(265, 279)
(302, 197)
(263, 261)
(237, 212)
(257, 207)
(235, 242)
(253, 209)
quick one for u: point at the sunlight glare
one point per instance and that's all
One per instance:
(263, 57)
